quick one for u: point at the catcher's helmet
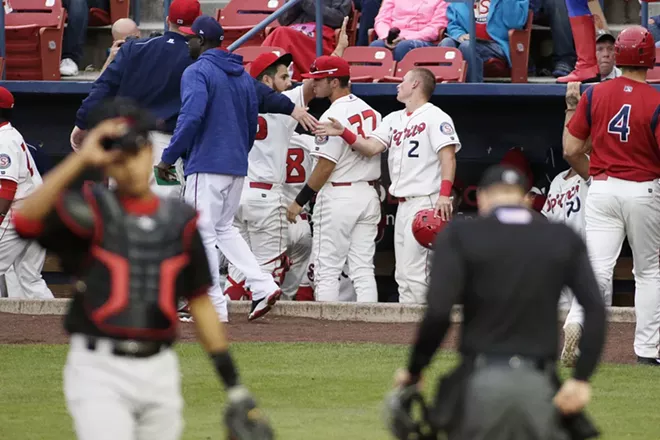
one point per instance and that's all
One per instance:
(400, 415)
(634, 47)
(425, 227)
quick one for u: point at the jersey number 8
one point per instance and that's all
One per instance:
(620, 123)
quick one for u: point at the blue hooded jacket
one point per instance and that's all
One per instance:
(217, 123)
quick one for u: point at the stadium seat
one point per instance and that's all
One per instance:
(369, 64)
(33, 33)
(519, 47)
(118, 9)
(446, 63)
(653, 76)
(250, 53)
(239, 16)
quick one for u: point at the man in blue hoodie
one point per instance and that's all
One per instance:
(216, 128)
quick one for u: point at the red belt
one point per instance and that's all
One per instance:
(601, 176)
(261, 185)
(372, 183)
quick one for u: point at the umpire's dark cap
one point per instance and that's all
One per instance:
(206, 27)
(503, 175)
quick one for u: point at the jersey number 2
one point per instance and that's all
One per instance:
(358, 120)
(262, 129)
(295, 171)
(620, 123)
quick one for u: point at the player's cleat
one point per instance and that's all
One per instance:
(305, 293)
(263, 306)
(570, 352)
(652, 362)
(184, 312)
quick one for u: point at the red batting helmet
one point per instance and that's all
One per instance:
(634, 47)
(426, 226)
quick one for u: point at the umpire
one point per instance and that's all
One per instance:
(508, 269)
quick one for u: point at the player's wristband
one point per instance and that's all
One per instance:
(348, 136)
(305, 195)
(445, 188)
(224, 365)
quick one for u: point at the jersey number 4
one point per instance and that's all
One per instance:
(620, 123)
(358, 120)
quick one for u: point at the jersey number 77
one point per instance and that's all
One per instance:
(620, 123)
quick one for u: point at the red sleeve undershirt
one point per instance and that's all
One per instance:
(8, 189)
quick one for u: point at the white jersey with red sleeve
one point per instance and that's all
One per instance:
(413, 141)
(267, 158)
(16, 163)
(566, 201)
(351, 166)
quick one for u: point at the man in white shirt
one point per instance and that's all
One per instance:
(605, 56)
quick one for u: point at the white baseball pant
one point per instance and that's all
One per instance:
(299, 250)
(413, 261)
(216, 197)
(160, 142)
(616, 208)
(345, 226)
(27, 259)
(111, 397)
(261, 221)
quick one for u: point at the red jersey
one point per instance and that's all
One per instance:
(621, 116)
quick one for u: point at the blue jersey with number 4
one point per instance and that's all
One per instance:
(621, 116)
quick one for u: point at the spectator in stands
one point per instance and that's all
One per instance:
(123, 29)
(75, 35)
(403, 25)
(297, 35)
(605, 56)
(494, 20)
(654, 27)
(555, 14)
(368, 12)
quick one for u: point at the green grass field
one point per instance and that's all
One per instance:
(310, 391)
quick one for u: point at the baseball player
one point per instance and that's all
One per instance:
(347, 208)
(19, 177)
(261, 215)
(422, 144)
(621, 117)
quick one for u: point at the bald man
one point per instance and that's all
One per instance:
(121, 30)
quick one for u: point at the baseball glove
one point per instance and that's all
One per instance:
(243, 419)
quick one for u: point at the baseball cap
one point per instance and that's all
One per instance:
(603, 36)
(184, 12)
(6, 98)
(328, 67)
(205, 26)
(503, 175)
(265, 60)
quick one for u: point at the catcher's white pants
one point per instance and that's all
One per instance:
(111, 397)
(261, 221)
(615, 209)
(21, 262)
(299, 250)
(413, 261)
(345, 226)
(217, 197)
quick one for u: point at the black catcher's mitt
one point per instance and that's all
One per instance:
(243, 419)
(406, 415)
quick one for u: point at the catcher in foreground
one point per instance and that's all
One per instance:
(133, 255)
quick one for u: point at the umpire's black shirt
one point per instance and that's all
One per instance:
(508, 269)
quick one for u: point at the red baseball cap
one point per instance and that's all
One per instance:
(6, 98)
(267, 59)
(184, 12)
(328, 67)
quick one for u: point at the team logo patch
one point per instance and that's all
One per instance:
(446, 128)
(320, 140)
(5, 161)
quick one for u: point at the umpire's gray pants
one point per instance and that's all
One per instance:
(504, 403)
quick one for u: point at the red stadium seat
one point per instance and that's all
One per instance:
(250, 53)
(446, 63)
(519, 48)
(118, 9)
(653, 75)
(239, 16)
(369, 64)
(33, 32)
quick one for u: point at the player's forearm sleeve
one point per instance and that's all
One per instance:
(444, 288)
(105, 86)
(271, 101)
(27, 228)
(585, 288)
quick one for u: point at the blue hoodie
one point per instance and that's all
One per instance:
(218, 118)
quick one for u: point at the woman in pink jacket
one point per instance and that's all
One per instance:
(417, 20)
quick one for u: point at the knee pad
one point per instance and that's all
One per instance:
(282, 266)
(305, 293)
(236, 291)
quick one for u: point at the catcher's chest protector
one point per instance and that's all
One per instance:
(135, 273)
